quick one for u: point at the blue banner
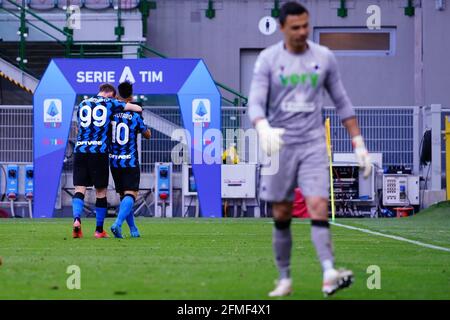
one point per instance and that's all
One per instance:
(149, 76)
(189, 79)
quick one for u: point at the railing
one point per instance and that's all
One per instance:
(396, 132)
(393, 131)
(23, 30)
(239, 98)
(70, 45)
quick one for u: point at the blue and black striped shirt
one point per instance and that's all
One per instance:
(94, 116)
(125, 128)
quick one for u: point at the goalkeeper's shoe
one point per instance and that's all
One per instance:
(335, 280)
(77, 233)
(134, 232)
(283, 287)
(100, 235)
(117, 231)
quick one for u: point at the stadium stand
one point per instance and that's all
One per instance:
(8, 5)
(63, 4)
(42, 4)
(97, 4)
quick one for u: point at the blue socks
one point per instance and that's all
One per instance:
(126, 205)
(101, 208)
(77, 205)
(130, 220)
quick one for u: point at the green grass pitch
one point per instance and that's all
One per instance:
(219, 259)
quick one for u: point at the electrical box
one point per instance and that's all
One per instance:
(163, 190)
(400, 189)
(345, 182)
(189, 187)
(12, 185)
(350, 185)
(189, 196)
(238, 181)
(29, 174)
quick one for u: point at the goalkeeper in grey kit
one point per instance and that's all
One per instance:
(285, 106)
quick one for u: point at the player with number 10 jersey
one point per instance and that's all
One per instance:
(124, 160)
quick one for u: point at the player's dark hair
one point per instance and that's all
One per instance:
(106, 87)
(125, 89)
(291, 8)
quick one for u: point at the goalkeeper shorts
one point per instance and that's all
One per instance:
(303, 165)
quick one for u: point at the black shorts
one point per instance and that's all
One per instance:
(91, 169)
(126, 179)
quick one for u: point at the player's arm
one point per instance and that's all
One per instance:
(345, 110)
(259, 89)
(120, 106)
(269, 138)
(132, 107)
(146, 133)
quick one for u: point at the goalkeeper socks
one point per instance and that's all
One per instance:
(321, 238)
(126, 205)
(282, 245)
(101, 207)
(77, 205)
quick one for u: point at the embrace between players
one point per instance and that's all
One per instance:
(108, 126)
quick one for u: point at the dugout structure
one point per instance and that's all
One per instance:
(54, 100)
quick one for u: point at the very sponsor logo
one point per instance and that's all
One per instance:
(295, 79)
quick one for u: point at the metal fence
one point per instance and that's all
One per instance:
(160, 146)
(393, 131)
(16, 132)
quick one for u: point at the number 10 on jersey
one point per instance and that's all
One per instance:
(117, 133)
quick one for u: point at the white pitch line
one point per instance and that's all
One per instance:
(422, 244)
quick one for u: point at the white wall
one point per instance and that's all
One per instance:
(94, 26)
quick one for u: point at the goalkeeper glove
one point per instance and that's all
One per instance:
(269, 138)
(362, 155)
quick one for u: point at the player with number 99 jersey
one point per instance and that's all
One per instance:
(94, 116)
(91, 165)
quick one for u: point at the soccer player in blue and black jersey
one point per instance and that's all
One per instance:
(124, 160)
(91, 165)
